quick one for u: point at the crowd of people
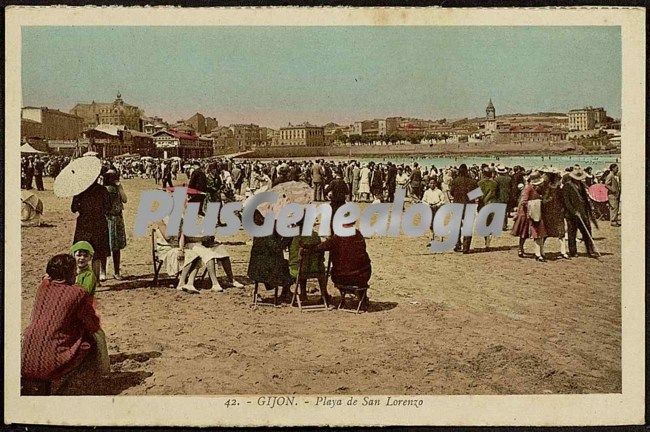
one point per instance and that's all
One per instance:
(546, 204)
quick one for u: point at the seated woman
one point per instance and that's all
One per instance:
(210, 253)
(175, 259)
(267, 264)
(351, 264)
(58, 347)
(312, 264)
(187, 255)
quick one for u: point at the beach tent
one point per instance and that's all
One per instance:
(28, 149)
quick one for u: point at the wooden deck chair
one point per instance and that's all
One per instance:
(296, 292)
(351, 290)
(259, 302)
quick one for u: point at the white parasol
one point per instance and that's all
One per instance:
(77, 176)
(288, 192)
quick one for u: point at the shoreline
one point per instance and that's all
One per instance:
(421, 154)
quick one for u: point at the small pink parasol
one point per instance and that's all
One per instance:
(598, 192)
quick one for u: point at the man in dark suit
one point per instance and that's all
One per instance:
(458, 189)
(503, 189)
(578, 212)
(39, 167)
(198, 179)
(167, 176)
(337, 191)
(391, 181)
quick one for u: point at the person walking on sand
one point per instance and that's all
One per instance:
(613, 184)
(578, 212)
(527, 223)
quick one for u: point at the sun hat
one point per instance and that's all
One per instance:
(84, 246)
(501, 169)
(536, 179)
(578, 174)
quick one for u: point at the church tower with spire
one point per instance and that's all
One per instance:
(490, 112)
(490, 118)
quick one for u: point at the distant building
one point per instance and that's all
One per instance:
(176, 143)
(151, 125)
(246, 136)
(586, 118)
(377, 127)
(539, 133)
(115, 113)
(223, 140)
(41, 123)
(268, 136)
(202, 124)
(600, 116)
(305, 135)
(332, 129)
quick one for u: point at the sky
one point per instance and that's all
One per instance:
(275, 75)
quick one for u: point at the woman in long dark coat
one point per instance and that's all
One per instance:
(267, 264)
(93, 205)
(553, 211)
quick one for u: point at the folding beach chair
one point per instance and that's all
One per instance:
(257, 301)
(157, 262)
(296, 293)
(350, 290)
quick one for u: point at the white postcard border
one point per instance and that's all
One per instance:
(593, 409)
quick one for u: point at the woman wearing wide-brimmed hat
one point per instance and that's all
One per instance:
(528, 221)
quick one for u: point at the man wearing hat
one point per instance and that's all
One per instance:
(613, 184)
(578, 211)
(317, 180)
(337, 191)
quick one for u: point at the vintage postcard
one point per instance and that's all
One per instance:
(324, 216)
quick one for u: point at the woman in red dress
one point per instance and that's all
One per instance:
(525, 227)
(59, 338)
